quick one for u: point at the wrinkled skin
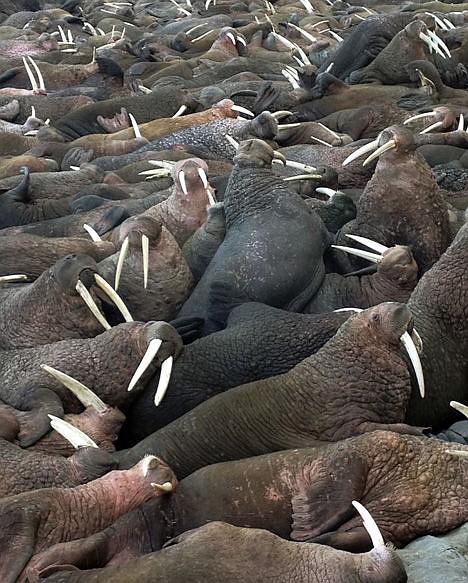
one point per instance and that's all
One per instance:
(50, 309)
(183, 213)
(394, 281)
(32, 255)
(221, 552)
(115, 355)
(259, 258)
(169, 277)
(25, 470)
(439, 304)
(414, 195)
(258, 342)
(33, 521)
(362, 361)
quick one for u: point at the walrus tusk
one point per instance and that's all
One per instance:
(183, 185)
(412, 351)
(211, 198)
(433, 126)
(359, 253)
(32, 79)
(234, 143)
(370, 525)
(334, 134)
(231, 38)
(281, 113)
(114, 296)
(302, 177)
(203, 177)
(438, 21)
(147, 359)
(118, 269)
(326, 191)
(33, 111)
(92, 233)
(437, 40)
(360, 151)
(369, 243)
(85, 395)
(187, 32)
(461, 123)
(16, 277)
(164, 378)
(417, 340)
(89, 301)
(145, 254)
(304, 33)
(182, 109)
(420, 116)
(135, 127)
(279, 157)
(321, 141)
(290, 78)
(241, 40)
(166, 487)
(384, 148)
(335, 36)
(432, 44)
(241, 109)
(197, 38)
(40, 78)
(460, 407)
(449, 23)
(62, 34)
(72, 434)
(287, 126)
(330, 66)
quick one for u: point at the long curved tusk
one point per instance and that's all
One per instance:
(164, 378)
(85, 395)
(326, 191)
(359, 253)
(145, 254)
(32, 79)
(147, 359)
(16, 277)
(89, 301)
(241, 109)
(415, 361)
(370, 525)
(234, 143)
(384, 148)
(166, 487)
(440, 43)
(40, 78)
(460, 407)
(369, 243)
(120, 261)
(420, 116)
(321, 141)
(92, 233)
(135, 127)
(302, 177)
(114, 296)
(433, 126)
(361, 151)
(281, 113)
(461, 123)
(203, 177)
(182, 109)
(72, 434)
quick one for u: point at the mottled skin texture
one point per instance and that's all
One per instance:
(169, 277)
(259, 257)
(32, 255)
(335, 212)
(258, 342)
(115, 355)
(24, 470)
(50, 309)
(33, 521)
(439, 305)
(221, 552)
(395, 279)
(401, 203)
(323, 398)
(388, 67)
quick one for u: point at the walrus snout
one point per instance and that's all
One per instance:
(72, 268)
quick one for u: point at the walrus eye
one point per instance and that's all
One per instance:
(376, 318)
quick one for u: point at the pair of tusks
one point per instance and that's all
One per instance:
(303, 60)
(413, 345)
(435, 43)
(184, 12)
(374, 145)
(33, 115)
(463, 409)
(164, 375)
(278, 158)
(374, 257)
(110, 293)
(36, 85)
(236, 39)
(208, 2)
(444, 23)
(13, 278)
(123, 254)
(148, 463)
(269, 6)
(460, 126)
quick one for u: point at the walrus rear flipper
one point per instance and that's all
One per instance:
(222, 299)
(189, 329)
(110, 219)
(8, 75)
(17, 542)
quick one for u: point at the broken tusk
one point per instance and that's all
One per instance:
(166, 487)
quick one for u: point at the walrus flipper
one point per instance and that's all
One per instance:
(17, 542)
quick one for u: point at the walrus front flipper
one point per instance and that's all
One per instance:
(189, 329)
(17, 541)
(38, 402)
(326, 504)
